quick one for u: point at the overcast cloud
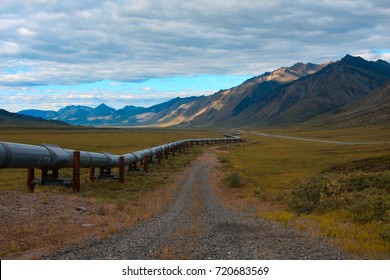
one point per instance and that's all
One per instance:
(46, 42)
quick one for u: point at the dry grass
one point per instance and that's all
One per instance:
(110, 206)
(271, 167)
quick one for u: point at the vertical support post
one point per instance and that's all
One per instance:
(173, 151)
(159, 157)
(166, 151)
(30, 180)
(202, 142)
(92, 174)
(145, 163)
(76, 172)
(121, 169)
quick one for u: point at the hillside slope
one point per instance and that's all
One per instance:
(371, 110)
(11, 120)
(225, 106)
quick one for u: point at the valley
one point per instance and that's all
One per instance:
(268, 168)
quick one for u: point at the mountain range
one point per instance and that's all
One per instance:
(12, 120)
(350, 89)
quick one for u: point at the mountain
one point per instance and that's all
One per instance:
(372, 109)
(102, 110)
(96, 116)
(217, 109)
(74, 114)
(10, 120)
(47, 115)
(331, 88)
(289, 95)
(171, 112)
(221, 108)
(131, 110)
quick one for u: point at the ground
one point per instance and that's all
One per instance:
(196, 225)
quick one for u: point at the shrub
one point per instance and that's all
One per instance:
(359, 181)
(224, 160)
(234, 180)
(366, 208)
(260, 193)
(381, 205)
(305, 196)
(362, 211)
(385, 234)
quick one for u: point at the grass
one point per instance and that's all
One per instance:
(117, 205)
(268, 170)
(112, 141)
(343, 190)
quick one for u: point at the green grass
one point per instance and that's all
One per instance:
(112, 141)
(278, 162)
(343, 189)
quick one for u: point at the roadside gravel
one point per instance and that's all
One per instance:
(197, 226)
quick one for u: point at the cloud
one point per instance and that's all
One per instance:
(78, 43)
(374, 54)
(25, 32)
(70, 42)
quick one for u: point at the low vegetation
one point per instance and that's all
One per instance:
(233, 180)
(337, 191)
(110, 205)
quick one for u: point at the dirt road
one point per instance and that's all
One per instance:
(316, 140)
(197, 226)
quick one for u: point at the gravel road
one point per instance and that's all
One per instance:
(315, 140)
(197, 226)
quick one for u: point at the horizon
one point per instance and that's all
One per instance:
(54, 54)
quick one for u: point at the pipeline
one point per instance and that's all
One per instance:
(48, 157)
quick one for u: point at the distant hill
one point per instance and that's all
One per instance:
(11, 120)
(289, 95)
(47, 115)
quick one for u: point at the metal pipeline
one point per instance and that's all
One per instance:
(47, 156)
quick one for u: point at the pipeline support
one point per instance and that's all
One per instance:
(50, 158)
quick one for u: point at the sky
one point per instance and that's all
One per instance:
(125, 52)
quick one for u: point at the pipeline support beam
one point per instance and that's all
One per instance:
(50, 158)
(121, 169)
(76, 172)
(30, 180)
